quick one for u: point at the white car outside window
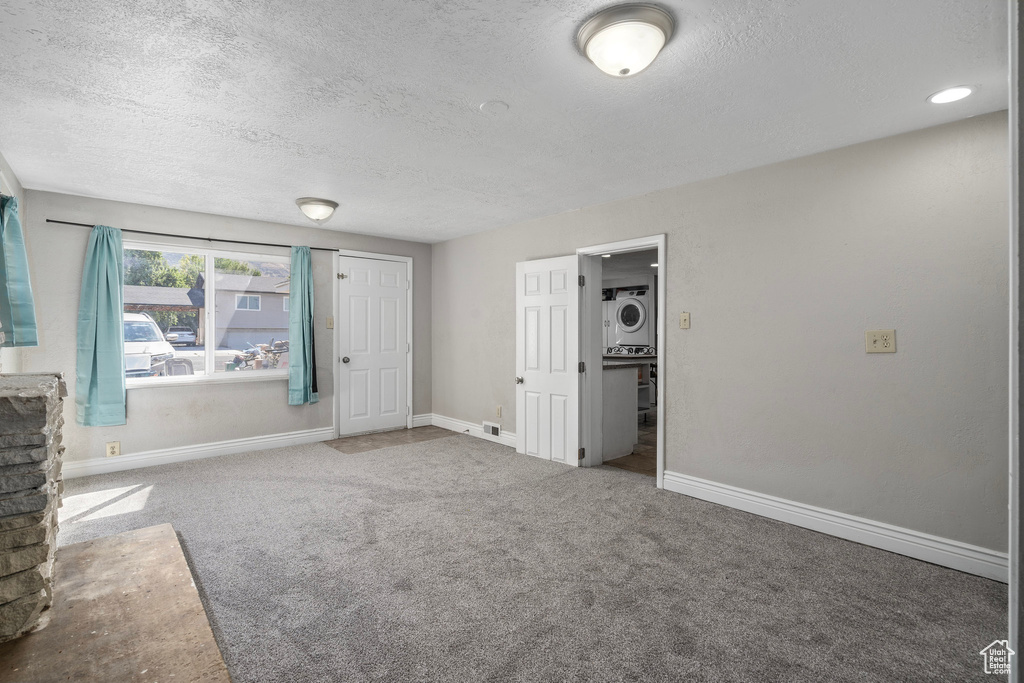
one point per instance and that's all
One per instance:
(145, 350)
(185, 335)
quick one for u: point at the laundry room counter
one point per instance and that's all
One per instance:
(645, 387)
(618, 424)
(634, 364)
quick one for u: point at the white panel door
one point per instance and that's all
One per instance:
(374, 333)
(547, 359)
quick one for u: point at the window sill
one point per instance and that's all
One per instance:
(219, 378)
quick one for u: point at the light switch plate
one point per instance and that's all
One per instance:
(330, 322)
(684, 321)
(880, 341)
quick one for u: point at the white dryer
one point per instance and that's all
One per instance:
(634, 319)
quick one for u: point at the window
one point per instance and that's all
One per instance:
(285, 301)
(247, 302)
(198, 314)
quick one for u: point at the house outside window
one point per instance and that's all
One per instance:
(247, 302)
(286, 304)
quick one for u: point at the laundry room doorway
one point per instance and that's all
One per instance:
(629, 343)
(612, 411)
(623, 319)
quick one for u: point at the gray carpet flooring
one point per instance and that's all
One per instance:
(458, 560)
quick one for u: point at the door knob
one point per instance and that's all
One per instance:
(519, 380)
(345, 359)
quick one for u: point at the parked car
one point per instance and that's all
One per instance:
(186, 337)
(146, 350)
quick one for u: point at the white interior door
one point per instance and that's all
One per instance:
(374, 345)
(547, 359)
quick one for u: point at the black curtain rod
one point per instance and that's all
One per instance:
(191, 237)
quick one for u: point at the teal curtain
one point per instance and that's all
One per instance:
(301, 352)
(100, 389)
(17, 308)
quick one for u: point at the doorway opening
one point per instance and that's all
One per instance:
(622, 336)
(582, 391)
(629, 339)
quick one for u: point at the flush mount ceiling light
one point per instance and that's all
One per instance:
(950, 94)
(316, 210)
(622, 41)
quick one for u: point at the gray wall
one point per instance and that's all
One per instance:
(166, 417)
(783, 269)
(1016, 596)
(10, 358)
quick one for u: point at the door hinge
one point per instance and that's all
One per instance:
(342, 276)
(408, 410)
(582, 453)
(583, 280)
(583, 366)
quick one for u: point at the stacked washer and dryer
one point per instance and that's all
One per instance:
(630, 322)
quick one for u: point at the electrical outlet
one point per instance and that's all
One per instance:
(880, 341)
(684, 321)
(113, 449)
(330, 322)
(497, 413)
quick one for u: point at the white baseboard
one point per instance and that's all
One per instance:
(477, 430)
(84, 468)
(942, 551)
(424, 420)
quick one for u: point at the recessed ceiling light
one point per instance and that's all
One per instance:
(606, 255)
(623, 41)
(494, 107)
(315, 209)
(950, 95)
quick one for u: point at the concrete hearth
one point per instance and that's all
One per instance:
(125, 609)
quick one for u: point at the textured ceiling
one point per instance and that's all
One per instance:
(237, 107)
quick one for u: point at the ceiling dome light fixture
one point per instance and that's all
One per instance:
(316, 210)
(623, 41)
(951, 94)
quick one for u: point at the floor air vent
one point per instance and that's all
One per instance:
(492, 431)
